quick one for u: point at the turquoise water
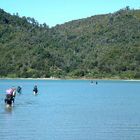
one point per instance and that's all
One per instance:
(71, 110)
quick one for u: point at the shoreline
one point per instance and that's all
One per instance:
(53, 78)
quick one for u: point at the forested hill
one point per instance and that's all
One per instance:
(101, 46)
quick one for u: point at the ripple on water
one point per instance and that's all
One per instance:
(72, 111)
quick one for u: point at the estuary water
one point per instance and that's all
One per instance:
(71, 110)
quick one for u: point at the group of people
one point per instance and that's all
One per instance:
(11, 94)
(95, 82)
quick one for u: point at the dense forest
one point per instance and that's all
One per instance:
(101, 46)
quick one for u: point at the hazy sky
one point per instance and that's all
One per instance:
(54, 12)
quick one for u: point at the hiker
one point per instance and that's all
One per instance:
(35, 90)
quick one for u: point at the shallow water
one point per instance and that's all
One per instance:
(71, 110)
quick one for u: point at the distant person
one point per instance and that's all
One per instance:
(35, 90)
(91, 82)
(19, 89)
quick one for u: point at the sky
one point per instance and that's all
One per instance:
(53, 12)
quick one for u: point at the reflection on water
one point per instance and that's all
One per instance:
(69, 110)
(8, 109)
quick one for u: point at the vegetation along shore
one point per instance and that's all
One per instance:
(101, 46)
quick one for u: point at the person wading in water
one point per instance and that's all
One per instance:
(10, 96)
(35, 90)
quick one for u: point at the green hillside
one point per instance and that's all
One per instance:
(101, 46)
